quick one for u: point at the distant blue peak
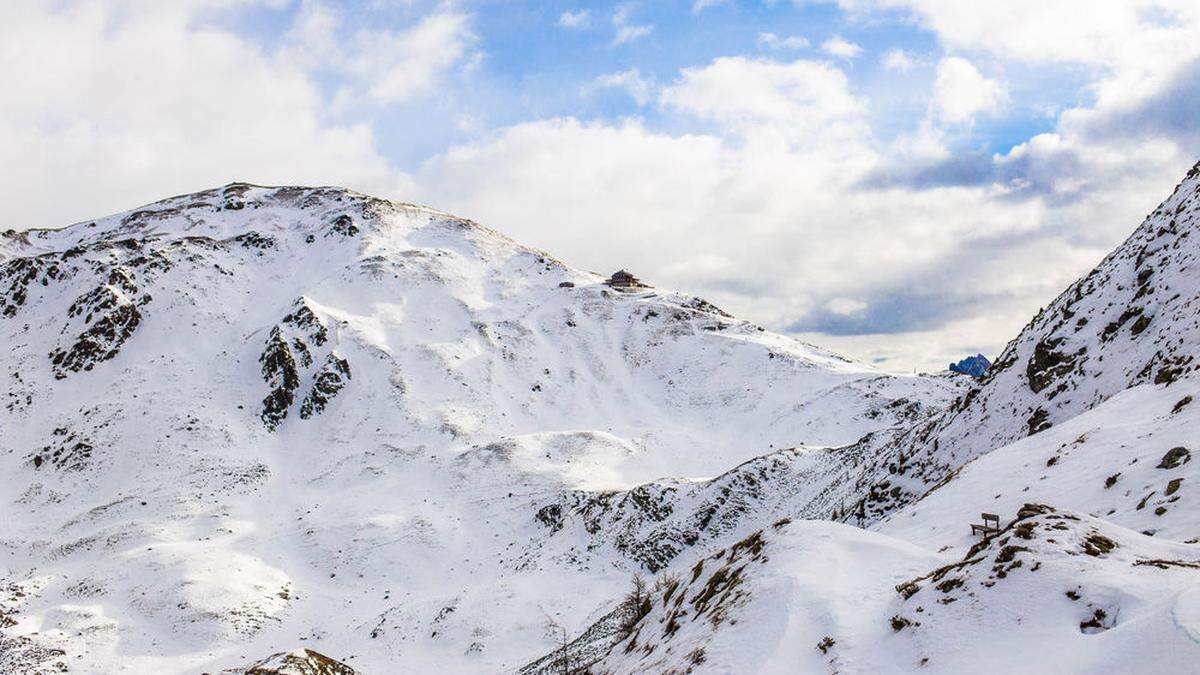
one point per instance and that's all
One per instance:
(975, 366)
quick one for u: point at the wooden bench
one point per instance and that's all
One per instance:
(991, 523)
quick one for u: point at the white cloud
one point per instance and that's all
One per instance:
(961, 92)
(118, 108)
(1135, 50)
(764, 215)
(897, 59)
(1137, 131)
(837, 46)
(701, 5)
(626, 31)
(631, 81)
(385, 65)
(760, 206)
(799, 100)
(845, 306)
(579, 19)
(1098, 33)
(627, 34)
(773, 41)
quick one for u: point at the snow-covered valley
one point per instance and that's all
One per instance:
(248, 421)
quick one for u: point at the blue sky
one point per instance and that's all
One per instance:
(906, 181)
(532, 66)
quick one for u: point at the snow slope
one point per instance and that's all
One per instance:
(1120, 461)
(248, 420)
(1135, 319)
(1081, 438)
(1053, 591)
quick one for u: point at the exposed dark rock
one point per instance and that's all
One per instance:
(1048, 364)
(280, 373)
(1098, 545)
(299, 662)
(1110, 331)
(66, 451)
(343, 225)
(329, 381)
(1038, 421)
(18, 274)
(303, 318)
(702, 305)
(255, 241)
(975, 366)
(1097, 623)
(100, 341)
(1175, 457)
(1181, 404)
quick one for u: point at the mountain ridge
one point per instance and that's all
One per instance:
(300, 425)
(923, 482)
(233, 410)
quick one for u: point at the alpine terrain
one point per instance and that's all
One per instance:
(304, 430)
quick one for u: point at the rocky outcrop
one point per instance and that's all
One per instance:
(298, 662)
(281, 375)
(975, 366)
(110, 313)
(67, 451)
(329, 381)
(292, 349)
(653, 524)
(16, 276)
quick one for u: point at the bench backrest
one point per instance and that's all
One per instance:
(990, 517)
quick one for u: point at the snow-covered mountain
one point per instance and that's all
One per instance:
(1134, 319)
(305, 430)
(1080, 439)
(248, 420)
(1054, 591)
(975, 366)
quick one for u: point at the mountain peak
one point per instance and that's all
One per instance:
(241, 209)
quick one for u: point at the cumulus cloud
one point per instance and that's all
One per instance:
(797, 99)
(897, 59)
(384, 65)
(1131, 139)
(577, 19)
(630, 81)
(845, 306)
(773, 41)
(119, 107)
(765, 213)
(841, 48)
(908, 252)
(626, 30)
(1099, 33)
(756, 182)
(961, 92)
